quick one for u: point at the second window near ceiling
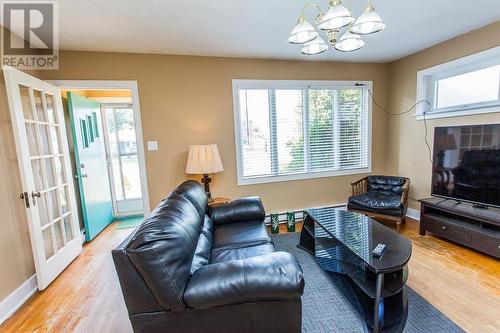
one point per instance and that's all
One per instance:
(295, 130)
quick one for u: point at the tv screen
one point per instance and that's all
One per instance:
(466, 163)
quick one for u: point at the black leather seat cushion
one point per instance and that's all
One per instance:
(240, 234)
(221, 255)
(377, 201)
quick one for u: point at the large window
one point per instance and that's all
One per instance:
(464, 86)
(298, 129)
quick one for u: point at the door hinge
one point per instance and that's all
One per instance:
(24, 196)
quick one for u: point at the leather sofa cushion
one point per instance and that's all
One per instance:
(221, 255)
(204, 247)
(386, 184)
(241, 234)
(385, 202)
(270, 277)
(162, 249)
(244, 209)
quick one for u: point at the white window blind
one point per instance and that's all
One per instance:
(294, 130)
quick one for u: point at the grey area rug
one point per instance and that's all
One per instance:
(325, 308)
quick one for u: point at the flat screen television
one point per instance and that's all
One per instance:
(466, 164)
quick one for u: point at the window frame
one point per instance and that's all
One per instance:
(238, 84)
(427, 87)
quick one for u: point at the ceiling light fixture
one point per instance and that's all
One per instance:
(336, 20)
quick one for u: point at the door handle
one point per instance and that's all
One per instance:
(35, 195)
(24, 196)
(84, 175)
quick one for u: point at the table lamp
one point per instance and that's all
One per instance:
(204, 160)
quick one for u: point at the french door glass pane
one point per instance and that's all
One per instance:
(37, 174)
(50, 108)
(54, 211)
(59, 234)
(67, 228)
(63, 199)
(26, 103)
(31, 136)
(44, 137)
(41, 203)
(47, 241)
(58, 166)
(54, 138)
(49, 170)
(40, 113)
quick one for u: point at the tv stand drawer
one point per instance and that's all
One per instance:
(447, 230)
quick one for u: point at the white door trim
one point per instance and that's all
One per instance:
(125, 84)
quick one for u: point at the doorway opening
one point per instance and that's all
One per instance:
(104, 118)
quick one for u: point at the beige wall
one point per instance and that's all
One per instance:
(188, 100)
(407, 152)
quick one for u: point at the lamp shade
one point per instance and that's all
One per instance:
(203, 159)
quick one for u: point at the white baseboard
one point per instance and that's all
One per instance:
(17, 298)
(413, 213)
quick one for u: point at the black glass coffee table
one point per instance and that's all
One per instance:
(342, 242)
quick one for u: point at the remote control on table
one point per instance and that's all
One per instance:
(379, 250)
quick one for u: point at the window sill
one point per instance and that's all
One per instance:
(285, 178)
(458, 113)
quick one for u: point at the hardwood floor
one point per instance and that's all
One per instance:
(462, 283)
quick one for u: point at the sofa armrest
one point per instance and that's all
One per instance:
(244, 209)
(271, 277)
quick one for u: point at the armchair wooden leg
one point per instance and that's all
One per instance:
(398, 224)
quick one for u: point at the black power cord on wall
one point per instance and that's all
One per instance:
(427, 109)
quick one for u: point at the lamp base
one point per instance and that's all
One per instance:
(206, 181)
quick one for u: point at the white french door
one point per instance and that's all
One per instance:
(44, 161)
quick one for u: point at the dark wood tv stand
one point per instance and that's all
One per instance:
(478, 228)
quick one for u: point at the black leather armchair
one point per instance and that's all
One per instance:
(190, 268)
(381, 196)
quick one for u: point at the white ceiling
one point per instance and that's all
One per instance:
(258, 28)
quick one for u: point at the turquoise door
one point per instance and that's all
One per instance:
(91, 164)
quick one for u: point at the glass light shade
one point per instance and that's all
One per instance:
(368, 23)
(349, 42)
(336, 17)
(315, 46)
(303, 32)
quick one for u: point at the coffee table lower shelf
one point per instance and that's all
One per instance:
(381, 297)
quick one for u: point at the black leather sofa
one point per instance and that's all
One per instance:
(191, 268)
